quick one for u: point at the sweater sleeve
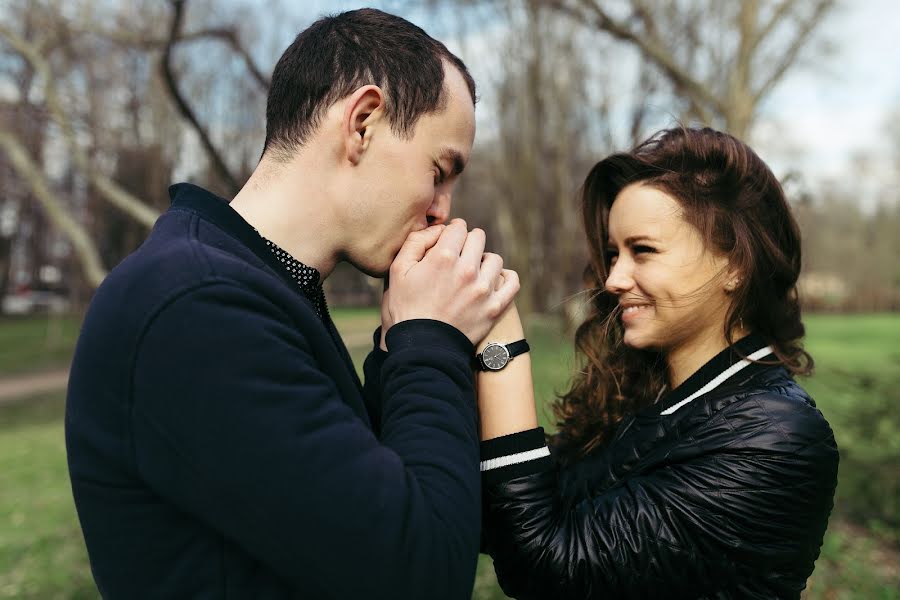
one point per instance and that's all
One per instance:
(233, 422)
(687, 527)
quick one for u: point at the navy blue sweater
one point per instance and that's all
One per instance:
(220, 444)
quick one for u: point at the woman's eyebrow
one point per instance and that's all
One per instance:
(634, 239)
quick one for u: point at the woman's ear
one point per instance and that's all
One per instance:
(364, 108)
(733, 280)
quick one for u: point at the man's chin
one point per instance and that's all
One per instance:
(376, 271)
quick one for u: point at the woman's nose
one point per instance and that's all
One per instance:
(620, 279)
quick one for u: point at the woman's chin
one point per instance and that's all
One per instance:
(633, 340)
(638, 341)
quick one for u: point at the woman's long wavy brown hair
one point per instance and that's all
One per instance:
(729, 194)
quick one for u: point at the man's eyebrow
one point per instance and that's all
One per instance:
(455, 158)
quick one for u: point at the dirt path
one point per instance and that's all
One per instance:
(20, 386)
(13, 388)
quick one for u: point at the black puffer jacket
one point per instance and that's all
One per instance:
(726, 497)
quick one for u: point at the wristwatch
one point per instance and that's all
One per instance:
(495, 356)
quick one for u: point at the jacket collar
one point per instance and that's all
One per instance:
(187, 196)
(720, 369)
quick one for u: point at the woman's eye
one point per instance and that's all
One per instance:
(612, 255)
(643, 250)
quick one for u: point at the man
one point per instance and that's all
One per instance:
(220, 444)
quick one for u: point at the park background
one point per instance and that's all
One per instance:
(103, 103)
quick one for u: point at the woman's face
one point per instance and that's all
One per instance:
(671, 288)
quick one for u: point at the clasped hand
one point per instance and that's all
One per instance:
(443, 273)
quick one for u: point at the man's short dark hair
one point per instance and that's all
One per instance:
(339, 54)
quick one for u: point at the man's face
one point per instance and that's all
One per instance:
(407, 185)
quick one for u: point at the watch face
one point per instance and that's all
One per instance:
(495, 356)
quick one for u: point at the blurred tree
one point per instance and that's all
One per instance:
(536, 162)
(721, 58)
(108, 78)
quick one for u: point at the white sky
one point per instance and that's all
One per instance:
(818, 120)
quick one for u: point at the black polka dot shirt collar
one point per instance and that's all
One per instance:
(308, 280)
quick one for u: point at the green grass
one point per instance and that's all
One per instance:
(857, 386)
(42, 554)
(29, 344)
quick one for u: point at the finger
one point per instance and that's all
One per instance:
(452, 238)
(415, 247)
(499, 280)
(491, 268)
(473, 249)
(508, 290)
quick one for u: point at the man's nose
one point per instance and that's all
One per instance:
(620, 279)
(439, 211)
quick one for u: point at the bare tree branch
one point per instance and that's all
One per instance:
(788, 57)
(84, 247)
(181, 103)
(228, 35)
(109, 189)
(648, 45)
(778, 15)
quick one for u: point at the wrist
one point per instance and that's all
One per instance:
(506, 336)
(497, 355)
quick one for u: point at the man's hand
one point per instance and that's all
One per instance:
(443, 273)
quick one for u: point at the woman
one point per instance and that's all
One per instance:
(688, 462)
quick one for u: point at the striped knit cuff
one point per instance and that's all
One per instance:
(515, 455)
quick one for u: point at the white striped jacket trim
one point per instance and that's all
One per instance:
(720, 378)
(514, 459)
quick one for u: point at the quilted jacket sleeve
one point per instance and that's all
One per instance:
(760, 495)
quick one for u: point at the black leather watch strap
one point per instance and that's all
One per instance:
(517, 348)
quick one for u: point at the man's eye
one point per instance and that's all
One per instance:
(439, 177)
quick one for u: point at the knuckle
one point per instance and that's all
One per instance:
(468, 273)
(495, 309)
(447, 256)
(482, 289)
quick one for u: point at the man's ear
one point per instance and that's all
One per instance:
(364, 108)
